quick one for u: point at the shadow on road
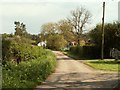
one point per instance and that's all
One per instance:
(88, 81)
(73, 75)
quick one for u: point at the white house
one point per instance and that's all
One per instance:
(42, 44)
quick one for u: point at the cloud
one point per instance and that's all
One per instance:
(35, 14)
(36, 1)
(21, 9)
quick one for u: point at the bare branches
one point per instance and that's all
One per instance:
(80, 17)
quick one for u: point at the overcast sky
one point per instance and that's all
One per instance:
(36, 13)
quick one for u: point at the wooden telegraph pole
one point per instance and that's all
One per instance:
(102, 48)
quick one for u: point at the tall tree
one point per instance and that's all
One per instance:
(79, 18)
(53, 34)
(66, 29)
(56, 42)
(49, 28)
(20, 29)
(112, 36)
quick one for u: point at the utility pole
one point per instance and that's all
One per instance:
(102, 47)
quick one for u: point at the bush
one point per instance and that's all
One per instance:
(28, 74)
(56, 42)
(86, 52)
(20, 51)
(5, 49)
(112, 37)
(33, 65)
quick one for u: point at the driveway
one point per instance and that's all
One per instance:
(73, 74)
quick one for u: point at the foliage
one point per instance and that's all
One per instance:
(110, 65)
(112, 36)
(71, 54)
(20, 29)
(15, 47)
(5, 48)
(95, 35)
(30, 73)
(85, 52)
(5, 35)
(71, 29)
(66, 29)
(49, 28)
(56, 42)
(80, 17)
(52, 35)
(24, 65)
(36, 38)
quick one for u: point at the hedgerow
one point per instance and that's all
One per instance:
(85, 52)
(34, 66)
(28, 74)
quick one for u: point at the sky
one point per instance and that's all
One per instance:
(34, 13)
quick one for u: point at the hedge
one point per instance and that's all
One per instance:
(25, 65)
(86, 52)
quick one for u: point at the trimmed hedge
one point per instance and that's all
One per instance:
(86, 52)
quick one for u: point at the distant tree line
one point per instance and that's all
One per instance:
(59, 35)
(20, 30)
(112, 36)
(67, 30)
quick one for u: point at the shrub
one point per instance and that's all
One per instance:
(5, 49)
(86, 52)
(28, 74)
(112, 37)
(20, 51)
(34, 64)
(56, 42)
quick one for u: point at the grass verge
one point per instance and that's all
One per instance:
(109, 65)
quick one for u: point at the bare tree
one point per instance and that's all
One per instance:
(79, 18)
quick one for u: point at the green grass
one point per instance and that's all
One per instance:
(109, 65)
